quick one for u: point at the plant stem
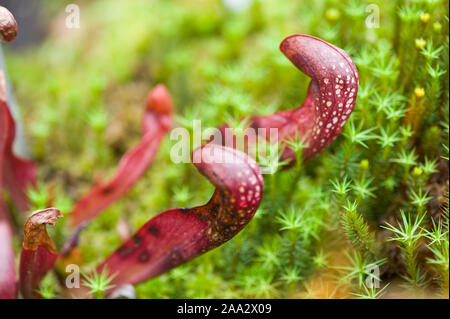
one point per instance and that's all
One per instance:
(295, 180)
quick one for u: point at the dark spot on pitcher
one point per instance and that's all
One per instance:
(154, 230)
